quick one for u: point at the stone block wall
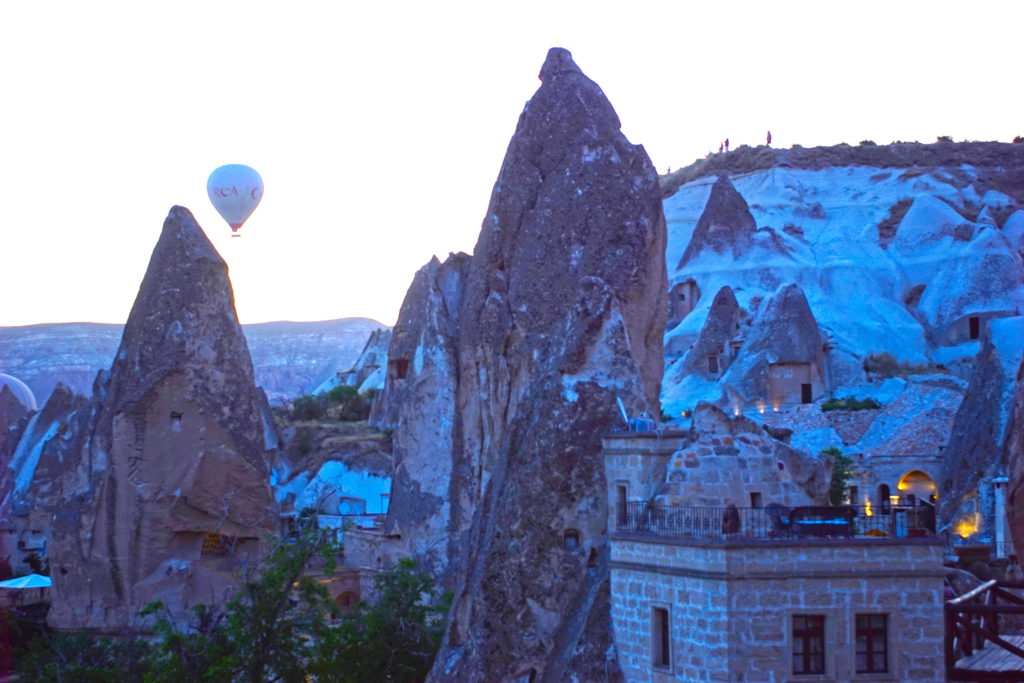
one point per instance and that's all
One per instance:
(638, 461)
(731, 605)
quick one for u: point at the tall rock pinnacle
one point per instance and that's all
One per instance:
(169, 483)
(560, 310)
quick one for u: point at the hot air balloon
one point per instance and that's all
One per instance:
(235, 191)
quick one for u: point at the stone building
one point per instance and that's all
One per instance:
(760, 593)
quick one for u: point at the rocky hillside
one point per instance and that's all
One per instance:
(891, 274)
(290, 358)
(905, 263)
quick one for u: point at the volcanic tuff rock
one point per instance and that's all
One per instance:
(36, 469)
(1015, 462)
(951, 263)
(171, 457)
(420, 404)
(725, 225)
(784, 332)
(721, 326)
(978, 445)
(560, 309)
(370, 368)
(13, 419)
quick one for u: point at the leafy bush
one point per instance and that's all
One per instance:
(342, 403)
(1018, 140)
(274, 628)
(944, 138)
(78, 658)
(867, 143)
(850, 404)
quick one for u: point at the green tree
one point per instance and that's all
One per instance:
(78, 658)
(841, 475)
(263, 633)
(393, 639)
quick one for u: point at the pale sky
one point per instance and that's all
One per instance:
(379, 128)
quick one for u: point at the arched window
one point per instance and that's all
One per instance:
(916, 485)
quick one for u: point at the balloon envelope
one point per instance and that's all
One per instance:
(235, 190)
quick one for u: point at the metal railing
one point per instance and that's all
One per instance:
(773, 521)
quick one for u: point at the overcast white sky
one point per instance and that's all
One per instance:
(379, 127)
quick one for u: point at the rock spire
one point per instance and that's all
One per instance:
(560, 310)
(169, 483)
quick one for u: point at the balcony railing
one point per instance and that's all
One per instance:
(773, 521)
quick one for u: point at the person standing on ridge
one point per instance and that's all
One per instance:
(720, 146)
(727, 144)
(769, 138)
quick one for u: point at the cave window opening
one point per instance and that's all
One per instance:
(571, 539)
(713, 365)
(398, 368)
(974, 323)
(176, 421)
(215, 545)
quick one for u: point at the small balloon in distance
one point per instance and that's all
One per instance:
(235, 190)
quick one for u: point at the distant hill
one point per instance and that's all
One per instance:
(290, 358)
(1006, 158)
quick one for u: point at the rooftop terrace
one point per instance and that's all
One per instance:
(772, 523)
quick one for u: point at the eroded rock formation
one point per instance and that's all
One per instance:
(1015, 462)
(979, 443)
(720, 328)
(725, 226)
(509, 369)
(170, 466)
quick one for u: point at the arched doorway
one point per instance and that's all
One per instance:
(915, 486)
(347, 601)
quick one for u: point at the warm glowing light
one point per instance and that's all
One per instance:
(895, 500)
(867, 508)
(902, 486)
(760, 407)
(968, 525)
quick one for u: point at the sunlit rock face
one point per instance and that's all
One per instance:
(503, 375)
(170, 469)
